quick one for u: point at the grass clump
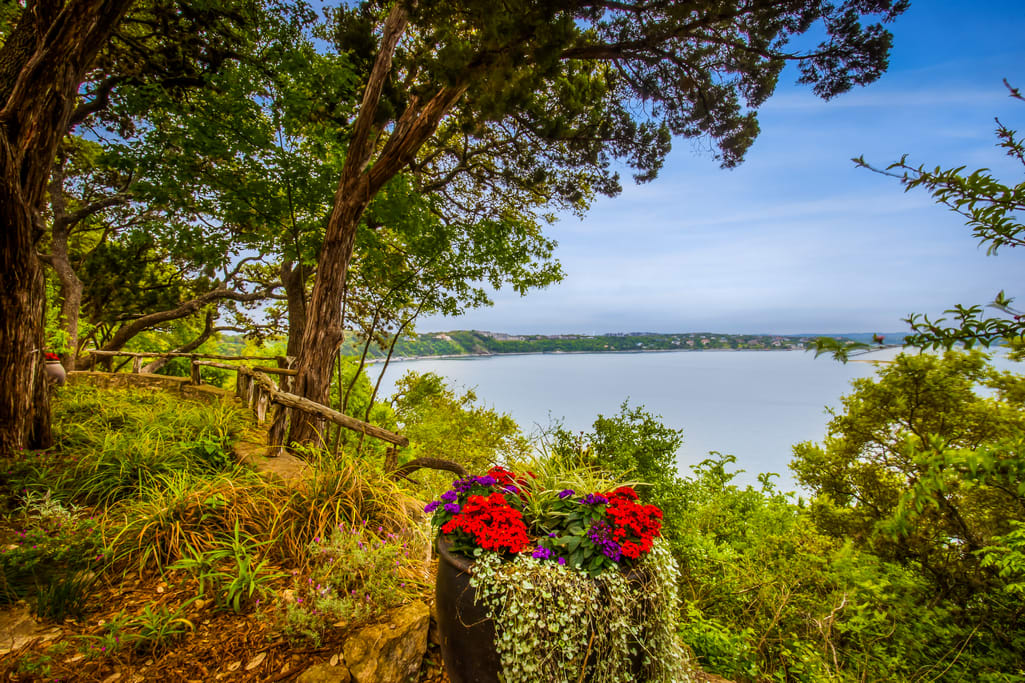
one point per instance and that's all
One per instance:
(134, 438)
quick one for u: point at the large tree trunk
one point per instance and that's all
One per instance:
(43, 62)
(360, 182)
(293, 278)
(24, 403)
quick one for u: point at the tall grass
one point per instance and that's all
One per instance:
(122, 442)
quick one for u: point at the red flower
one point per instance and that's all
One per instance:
(623, 492)
(52, 356)
(492, 522)
(634, 526)
(631, 550)
(505, 479)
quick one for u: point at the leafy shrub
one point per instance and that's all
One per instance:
(53, 539)
(355, 573)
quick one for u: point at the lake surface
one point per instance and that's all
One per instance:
(752, 404)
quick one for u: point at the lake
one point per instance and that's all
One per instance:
(752, 404)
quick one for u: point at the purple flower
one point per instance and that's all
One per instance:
(432, 506)
(600, 534)
(562, 560)
(464, 485)
(565, 493)
(542, 553)
(450, 496)
(453, 507)
(594, 499)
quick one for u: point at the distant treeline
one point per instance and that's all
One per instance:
(473, 342)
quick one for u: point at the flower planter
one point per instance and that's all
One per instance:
(467, 634)
(568, 601)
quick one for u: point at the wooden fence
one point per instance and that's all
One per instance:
(254, 386)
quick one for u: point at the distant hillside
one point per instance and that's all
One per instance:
(476, 342)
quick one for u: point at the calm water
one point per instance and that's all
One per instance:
(754, 405)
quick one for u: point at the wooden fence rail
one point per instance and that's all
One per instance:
(137, 356)
(254, 386)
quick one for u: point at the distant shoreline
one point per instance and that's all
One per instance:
(456, 356)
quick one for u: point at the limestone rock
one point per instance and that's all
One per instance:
(434, 633)
(392, 651)
(18, 628)
(324, 673)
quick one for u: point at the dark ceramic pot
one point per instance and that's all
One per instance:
(467, 634)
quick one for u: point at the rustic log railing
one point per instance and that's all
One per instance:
(254, 386)
(137, 356)
(258, 391)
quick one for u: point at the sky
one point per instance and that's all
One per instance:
(798, 239)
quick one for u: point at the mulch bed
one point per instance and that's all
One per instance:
(222, 647)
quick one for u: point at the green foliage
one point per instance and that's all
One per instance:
(556, 624)
(928, 475)
(919, 466)
(149, 633)
(442, 423)
(1007, 556)
(568, 523)
(50, 554)
(232, 570)
(158, 627)
(772, 592)
(634, 444)
(355, 573)
(134, 438)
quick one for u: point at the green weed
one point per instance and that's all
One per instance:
(64, 596)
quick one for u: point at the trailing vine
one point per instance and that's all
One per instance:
(554, 624)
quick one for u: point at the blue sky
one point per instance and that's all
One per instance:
(798, 239)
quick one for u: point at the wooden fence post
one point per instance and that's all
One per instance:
(136, 364)
(262, 399)
(196, 379)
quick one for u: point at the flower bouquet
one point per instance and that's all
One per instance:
(501, 512)
(573, 585)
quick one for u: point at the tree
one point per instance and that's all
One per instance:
(922, 470)
(992, 209)
(43, 62)
(563, 89)
(60, 64)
